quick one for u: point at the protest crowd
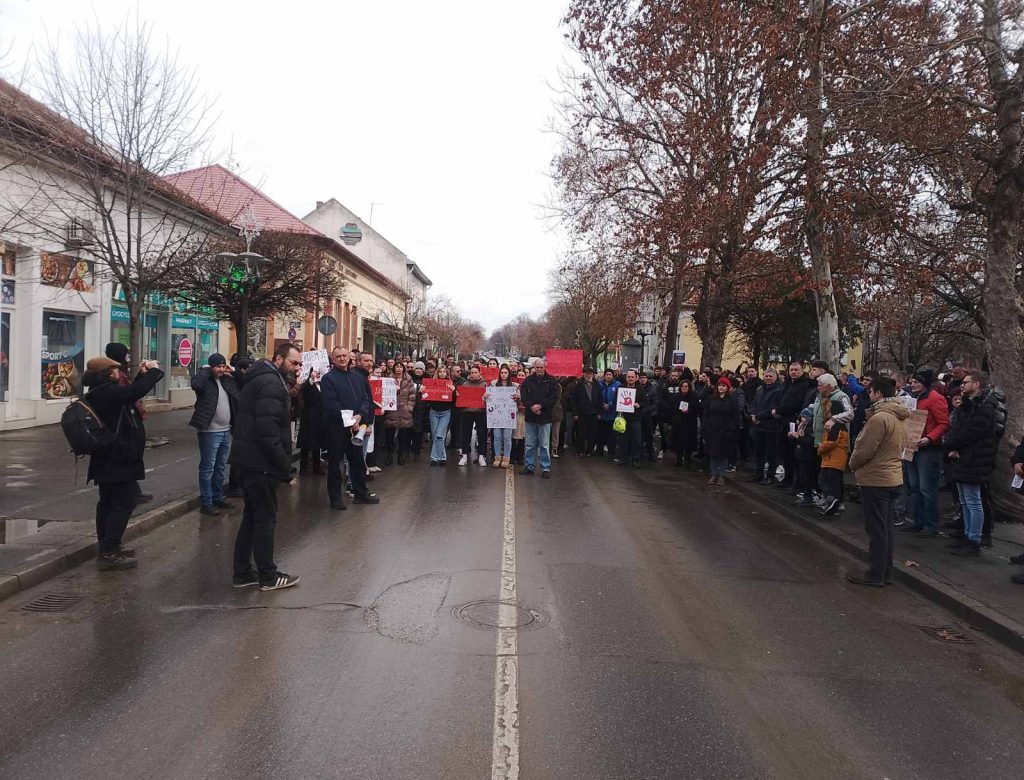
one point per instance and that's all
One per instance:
(901, 438)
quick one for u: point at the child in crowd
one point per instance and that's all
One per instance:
(834, 451)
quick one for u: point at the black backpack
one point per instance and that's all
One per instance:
(85, 431)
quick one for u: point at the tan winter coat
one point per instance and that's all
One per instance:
(876, 456)
(402, 416)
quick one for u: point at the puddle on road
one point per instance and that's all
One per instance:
(14, 529)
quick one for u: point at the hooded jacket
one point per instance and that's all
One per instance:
(974, 438)
(262, 433)
(938, 415)
(114, 403)
(876, 457)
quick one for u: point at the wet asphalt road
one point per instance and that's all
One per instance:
(685, 632)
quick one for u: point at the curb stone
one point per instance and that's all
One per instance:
(73, 554)
(1000, 627)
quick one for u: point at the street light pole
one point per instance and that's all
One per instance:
(644, 328)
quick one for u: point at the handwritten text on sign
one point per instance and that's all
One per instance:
(501, 407)
(385, 393)
(436, 390)
(315, 361)
(626, 400)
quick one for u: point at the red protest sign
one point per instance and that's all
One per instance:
(490, 373)
(436, 390)
(564, 362)
(377, 393)
(470, 396)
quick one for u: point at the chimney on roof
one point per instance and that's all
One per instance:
(319, 204)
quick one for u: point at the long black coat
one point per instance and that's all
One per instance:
(114, 403)
(722, 419)
(262, 435)
(311, 418)
(586, 402)
(792, 395)
(685, 436)
(973, 437)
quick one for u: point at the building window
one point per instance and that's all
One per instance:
(63, 354)
(10, 263)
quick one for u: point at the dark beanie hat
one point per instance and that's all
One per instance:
(216, 359)
(925, 376)
(117, 351)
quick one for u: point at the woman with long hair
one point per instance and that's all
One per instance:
(722, 419)
(685, 417)
(519, 434)
(502, 446)
(440, 414)
(399, 422)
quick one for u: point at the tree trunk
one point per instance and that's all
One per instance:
(241, 325)
(1002, 305)
(821, 270)
(672, 326)
(135, 332)
(711, 330)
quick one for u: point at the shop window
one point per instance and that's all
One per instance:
(63, 354)
(183, 345)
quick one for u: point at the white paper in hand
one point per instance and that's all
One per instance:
(684, 406)
(348, 417)
(1018, 482)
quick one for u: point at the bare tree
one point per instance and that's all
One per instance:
(119, 115)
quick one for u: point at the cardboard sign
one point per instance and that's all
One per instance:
(490, 373)
(317, 361)
(501, 407)
(913, 430)
(385, 393)
(564, 362)
(470, 396)
(625, 401)
(436, 390)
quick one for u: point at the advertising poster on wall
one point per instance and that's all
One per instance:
(62, 355)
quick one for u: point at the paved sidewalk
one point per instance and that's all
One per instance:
(977, 589)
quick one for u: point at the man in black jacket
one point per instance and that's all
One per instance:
(538, 394)
(344, 390)
(766, 426)
(668, 405)
(116, 470)
(263, 454)
(790, 403)
(586, 404)
(216, 399)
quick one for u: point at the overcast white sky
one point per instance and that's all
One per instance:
(436, 111)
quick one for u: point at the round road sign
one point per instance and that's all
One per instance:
(184, 352)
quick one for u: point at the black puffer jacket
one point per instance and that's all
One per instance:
(115, 403)
(586, 401)
(668, 400)
(765, 399)
(262, 434)
(973, 437)
(204, 384)
(792, 397)
(647, 399)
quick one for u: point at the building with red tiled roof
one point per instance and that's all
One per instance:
(371, 313)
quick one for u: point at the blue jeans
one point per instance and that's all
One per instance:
(438, 431)
(502, 442)
(538, 437)
(923, 481)
(214, 449)
(974, 513)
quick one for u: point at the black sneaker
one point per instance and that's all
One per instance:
(865, 579)
(547, 474)
(144, 498)
(234, 493)
(368, 499)
(338, 505)
(210, 511)
(282, 580)
(526, 472)
(969, 550)
(912, 529)
(245, 580)
(831, 507)
(114, 561)
(125, 552)
(223, 505)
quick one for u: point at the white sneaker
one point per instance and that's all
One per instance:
(661, 455)
(481, 461)
(374, 469)
(464, 460)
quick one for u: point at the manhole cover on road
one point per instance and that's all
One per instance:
(486, 614)
(53, 602)
(948, 634)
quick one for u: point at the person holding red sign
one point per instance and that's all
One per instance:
(473, 416)
(440, 415)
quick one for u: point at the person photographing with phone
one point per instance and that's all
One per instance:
(117, 469)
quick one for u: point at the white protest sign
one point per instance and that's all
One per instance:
(910, 402)
(389, 388)
(626, 400)
(1018, 482)
(501, 407)
(684, 406)
(315, 360)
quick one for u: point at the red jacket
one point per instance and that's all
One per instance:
(938, 415)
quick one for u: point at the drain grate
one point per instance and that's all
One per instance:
(951, 634)
(53, 602)
(486, 614)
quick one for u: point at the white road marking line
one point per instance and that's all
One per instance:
(505, 748)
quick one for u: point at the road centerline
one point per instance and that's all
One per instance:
(505, 746)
